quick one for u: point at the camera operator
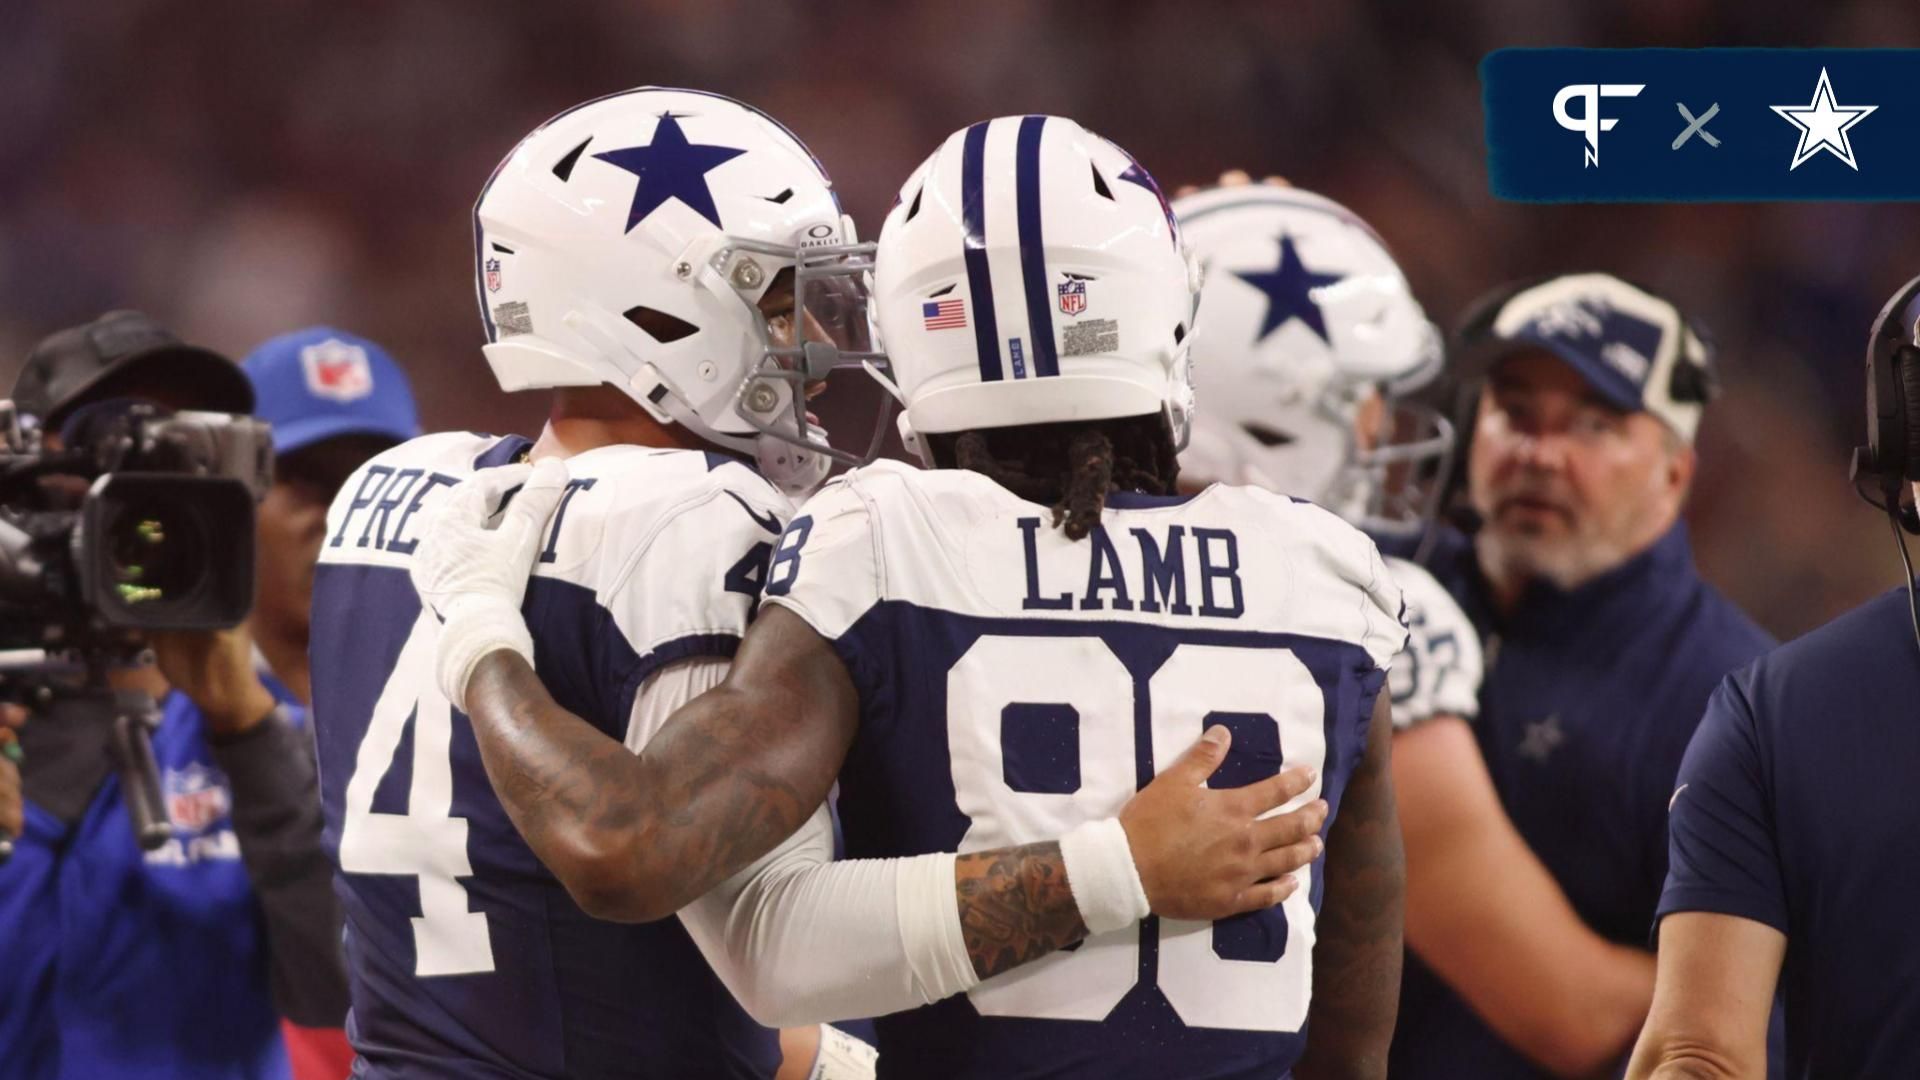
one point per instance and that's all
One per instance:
(178, 960)
(334, 400)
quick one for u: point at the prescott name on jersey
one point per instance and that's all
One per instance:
(469, 958)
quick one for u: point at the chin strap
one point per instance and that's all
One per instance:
(793, 469)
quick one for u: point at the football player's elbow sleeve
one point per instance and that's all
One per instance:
(808, 941)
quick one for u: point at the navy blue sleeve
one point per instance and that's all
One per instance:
(1722, 856)
(277, 820)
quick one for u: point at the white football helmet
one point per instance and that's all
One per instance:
(1031, 272)
(631, 240)
(1304, 317)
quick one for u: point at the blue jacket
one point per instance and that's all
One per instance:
(120, 963)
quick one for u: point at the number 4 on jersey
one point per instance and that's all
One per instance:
(426, 842)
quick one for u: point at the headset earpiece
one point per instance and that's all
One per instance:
(1892, 453)
(1905, 441)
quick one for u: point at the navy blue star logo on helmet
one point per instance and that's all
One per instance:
(1289, 288)
(670, 167)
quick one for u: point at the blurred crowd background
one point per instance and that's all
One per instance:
(241, 167)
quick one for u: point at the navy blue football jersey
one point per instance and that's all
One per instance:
(1014, 684)
(468, 957)
(1795, 808)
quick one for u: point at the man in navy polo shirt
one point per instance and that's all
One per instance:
(1602, 641)
(1793, 830)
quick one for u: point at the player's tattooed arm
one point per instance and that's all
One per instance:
(730, 775)
(737, 770)
(1356, 962)
(1015, 906)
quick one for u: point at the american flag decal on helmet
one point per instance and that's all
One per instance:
(944, 314)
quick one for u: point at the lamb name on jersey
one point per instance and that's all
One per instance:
(1438, 673)
(1014, 684)
(469, 957)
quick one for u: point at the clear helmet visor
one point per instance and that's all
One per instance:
(1395, 488)
(817, 318)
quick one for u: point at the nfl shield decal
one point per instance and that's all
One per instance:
(337, 370)
(493, 275)
(196, 797)
(1073, 296)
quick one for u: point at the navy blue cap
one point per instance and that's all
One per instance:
(1633, 348)
(320, 383)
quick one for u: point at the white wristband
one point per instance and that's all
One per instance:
(1100, 871)
(475, 626)
(843, 1057)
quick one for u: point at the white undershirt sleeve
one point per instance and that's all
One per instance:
(800, 939)
(668, 689)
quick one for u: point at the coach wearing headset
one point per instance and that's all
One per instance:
(1794, 828)
(1603, 644)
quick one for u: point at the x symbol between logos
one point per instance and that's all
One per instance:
(1696, 127)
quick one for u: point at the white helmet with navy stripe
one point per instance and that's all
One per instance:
(1031, 272)
(635, 239)
(1305, 316)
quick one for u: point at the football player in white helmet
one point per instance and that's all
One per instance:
(1321, 339)
(675, 267)
(1307, 333)
(979, 678)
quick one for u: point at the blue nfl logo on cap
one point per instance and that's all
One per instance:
(1073, 296)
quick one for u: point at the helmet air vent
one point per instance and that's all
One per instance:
(659, 325)
(1100, 187)
(564, 167)
(1267, 436)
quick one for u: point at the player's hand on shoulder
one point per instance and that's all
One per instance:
(476, 551)
(481, 540)
(1207, 854)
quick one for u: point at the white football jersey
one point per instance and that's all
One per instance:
(465, 950)
(1438, 673)
(1014, 684)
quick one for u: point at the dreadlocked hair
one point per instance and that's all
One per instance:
(1069, 466)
